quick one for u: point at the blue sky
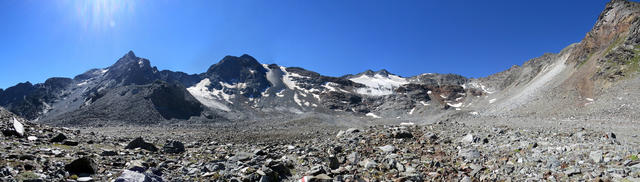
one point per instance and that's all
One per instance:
(63, 38)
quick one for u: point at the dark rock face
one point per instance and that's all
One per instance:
(244, 69)
(131, 70)
(173, 101)
(29, 100)
(173, 147)
(140, 143)
(138, 104)
(82, 165)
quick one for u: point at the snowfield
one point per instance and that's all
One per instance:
(379, 85)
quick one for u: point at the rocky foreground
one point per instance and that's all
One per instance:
(443, 151)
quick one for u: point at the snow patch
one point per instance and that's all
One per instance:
(412, 110)
(281, 93)
(455, 105)
(378, 85)
(297, 100)
(287, 79)
(424, 103)
(372, 115)
(407, 124)
(589, 99)
(206, 96)
(492, 101)
(82, 83)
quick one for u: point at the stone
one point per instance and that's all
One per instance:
(469, 138)
(387, 148)
(315, 170)
(241, 156)
(259, 152)
(173, 147)
(317, 178)
(70, 143)
(430, 136)
(18, 127)
(401, 134)
(84, 165)
(333, 162)
(84, 179)
(353, 157)
(352, 130)
(108, 153)
(140, 143)
(58, 138)
(368, 163)
(596, 156)
(572, 171)
(469, 153)
(133, 176)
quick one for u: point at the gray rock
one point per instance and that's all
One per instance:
(401, 134)
(368, 163)
(82, 165)
(241, 156)
(572, 171)
(173, 147)
(387, 148)
(84, 179)
(133, 176)
(70, 143)
(469, 153)
(353, 158)
(469, 138)
(596, 156)
(333, 162)
(430, 136)
(140, 143)
(108, 153)
(18, 127)
(58, 138)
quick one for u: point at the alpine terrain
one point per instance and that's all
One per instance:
(566, 116)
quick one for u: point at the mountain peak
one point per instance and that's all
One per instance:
(130, 54)
(229, 63)
(383, 72)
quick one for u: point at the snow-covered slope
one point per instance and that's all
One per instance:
(378, 84)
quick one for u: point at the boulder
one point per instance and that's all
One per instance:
(387, 148)
(134, 176)
(18, 127)
(140, 143)
(173, 147)
(401, 134)
(58, 138)
(70, 143)
(82, 165)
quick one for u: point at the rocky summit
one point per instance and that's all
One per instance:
(566, 116)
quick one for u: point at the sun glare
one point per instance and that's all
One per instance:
(102, 15)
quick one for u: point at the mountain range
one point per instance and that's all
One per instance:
(596, 77)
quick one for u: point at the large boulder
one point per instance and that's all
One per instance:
(173, 147)
(58, 138)
(82, 165)
(18, 127)
(140, 143)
